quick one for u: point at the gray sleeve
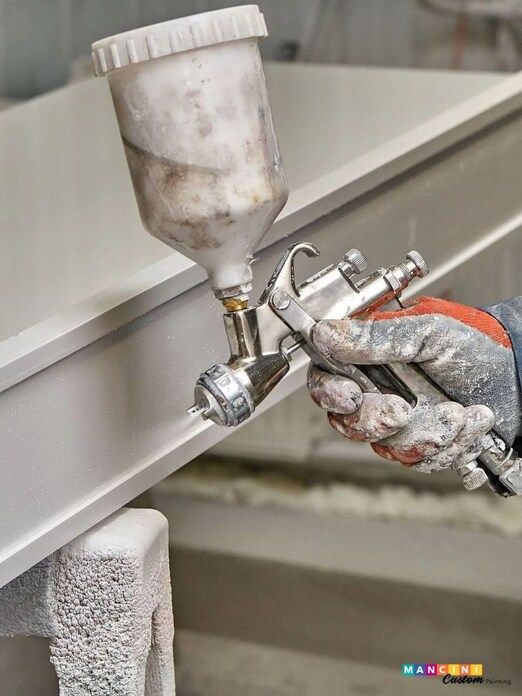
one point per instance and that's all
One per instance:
(509, 314)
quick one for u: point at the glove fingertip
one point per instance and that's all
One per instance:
(379, 416)
(334, 393)
(482, 417)
(339, 423)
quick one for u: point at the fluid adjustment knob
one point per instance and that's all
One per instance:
(420, 263)
(475, 479)
(473, 476)
(353, 263)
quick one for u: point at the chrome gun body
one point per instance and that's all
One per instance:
(229, 393)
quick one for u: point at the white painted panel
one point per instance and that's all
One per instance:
(69, 225)
(87, 434)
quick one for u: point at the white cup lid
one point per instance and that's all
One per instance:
(177, 35)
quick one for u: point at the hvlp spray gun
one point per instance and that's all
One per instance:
(195, 121)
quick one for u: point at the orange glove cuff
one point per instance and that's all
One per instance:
(475, 318)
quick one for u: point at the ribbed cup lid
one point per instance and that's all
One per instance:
(177, 35)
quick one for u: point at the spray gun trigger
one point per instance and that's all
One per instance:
(284, 273)
(296, 318)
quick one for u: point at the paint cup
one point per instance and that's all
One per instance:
(195, 121)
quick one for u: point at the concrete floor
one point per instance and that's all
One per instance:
(236, 668)
(340, 623)
(210, 665)
(272, 602)
(25, 669)
(336, 604)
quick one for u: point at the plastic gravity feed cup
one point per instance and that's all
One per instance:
(194, 117)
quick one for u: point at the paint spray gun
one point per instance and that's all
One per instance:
(197, 130)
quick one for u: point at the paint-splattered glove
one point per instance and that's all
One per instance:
(464, 350)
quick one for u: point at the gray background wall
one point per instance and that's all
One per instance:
(40, 38)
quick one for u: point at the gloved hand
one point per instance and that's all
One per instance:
(464, 350)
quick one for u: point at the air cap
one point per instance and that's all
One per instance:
(176, 36)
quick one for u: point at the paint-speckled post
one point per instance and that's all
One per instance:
(105, 602)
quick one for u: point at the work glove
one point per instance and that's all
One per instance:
(465, 351)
